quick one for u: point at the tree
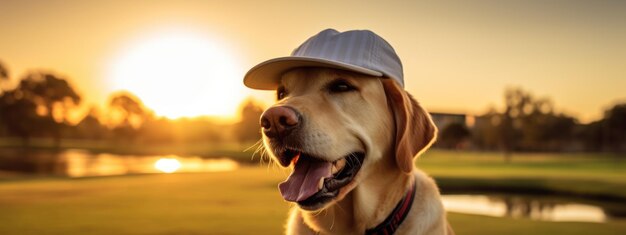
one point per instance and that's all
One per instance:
(248, 129)
(485, 133)
(129, 108)
(526, 124)
(4, 76)
(614, 128)
(38, 106)
(54, 98)
(18, 116)
(590, 136)
(128, 114)
(53, 95)
(90, 126)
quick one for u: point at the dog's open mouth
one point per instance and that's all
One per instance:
(314, 182)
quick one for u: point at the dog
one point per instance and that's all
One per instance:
(351, 137)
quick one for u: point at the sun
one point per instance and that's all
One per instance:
(180, 74)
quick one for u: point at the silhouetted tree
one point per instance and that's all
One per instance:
(53, 96)
(527, 124)
(38, 106)
(132, 113)
(18, 115)
(516, 101)
(4, 76)
(614, 128)
(248, 128)
(555, 131)
(589, 136)
(131, 109)
(485, 133)
(90, 127)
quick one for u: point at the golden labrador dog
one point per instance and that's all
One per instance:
(351, 140)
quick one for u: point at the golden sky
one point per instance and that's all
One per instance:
(458, 56)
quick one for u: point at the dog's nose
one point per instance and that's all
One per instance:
(279, 121)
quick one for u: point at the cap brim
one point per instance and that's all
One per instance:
(266, 75)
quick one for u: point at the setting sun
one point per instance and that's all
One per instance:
(180, 73)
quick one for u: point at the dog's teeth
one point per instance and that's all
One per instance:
(333, 169)
(339, 165)
(320, 185)
(295, 159)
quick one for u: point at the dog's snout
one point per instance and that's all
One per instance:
(279, 121)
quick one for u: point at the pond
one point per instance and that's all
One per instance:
(535, 207)
(79, 163)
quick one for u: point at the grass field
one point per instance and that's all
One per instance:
(246, 201)
(599, 176)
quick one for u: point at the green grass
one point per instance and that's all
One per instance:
(601, 176)
(245, 201)
(239, 202)
(473, 224)
(552, 165)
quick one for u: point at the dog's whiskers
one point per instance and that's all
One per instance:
(320, 212)
(252, 146)
(262, 152)
(258, 145)
(335, 215)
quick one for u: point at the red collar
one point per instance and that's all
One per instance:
(393, 221)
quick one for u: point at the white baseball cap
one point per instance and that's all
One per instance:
(360, 51)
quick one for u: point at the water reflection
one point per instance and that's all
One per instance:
(536, 208)
(79, 163)
(167, 165)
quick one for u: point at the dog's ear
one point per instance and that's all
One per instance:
(415, 131)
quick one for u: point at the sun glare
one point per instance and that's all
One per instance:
(167, 165)
(181, 74)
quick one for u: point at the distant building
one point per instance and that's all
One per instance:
(442, 120)
(454, 130)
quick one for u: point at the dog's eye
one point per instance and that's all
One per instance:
(281, 93)
(340, 86)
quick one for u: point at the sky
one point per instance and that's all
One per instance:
(458, 56)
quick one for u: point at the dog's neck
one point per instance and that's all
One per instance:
(365, 206)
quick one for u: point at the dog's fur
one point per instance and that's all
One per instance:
(380, 119)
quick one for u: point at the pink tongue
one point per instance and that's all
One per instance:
(302, 183)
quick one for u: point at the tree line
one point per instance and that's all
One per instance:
(529, 123)
(40, 105)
